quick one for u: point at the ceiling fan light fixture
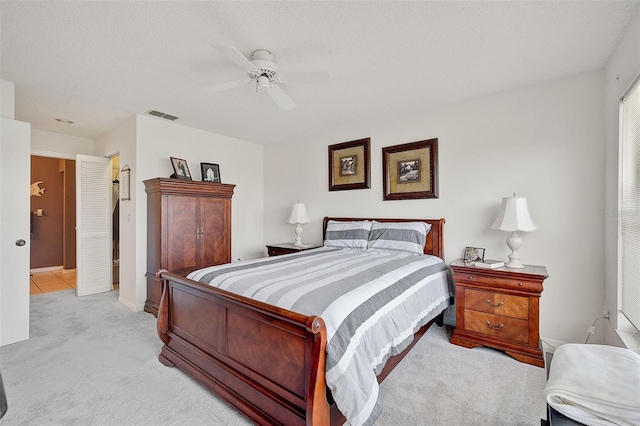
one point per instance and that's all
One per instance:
(263, 73)
(262, 82)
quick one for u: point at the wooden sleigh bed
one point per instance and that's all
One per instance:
(268, 362)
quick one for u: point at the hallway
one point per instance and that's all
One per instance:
(47, 282)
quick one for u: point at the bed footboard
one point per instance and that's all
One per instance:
(227, 342)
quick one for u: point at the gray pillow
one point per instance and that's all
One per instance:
(352, 235)
(406, 237)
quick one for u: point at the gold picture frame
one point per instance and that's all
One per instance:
(125, 183)
(350, 165)
(410, 171)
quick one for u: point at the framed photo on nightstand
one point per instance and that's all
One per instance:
(473, 254)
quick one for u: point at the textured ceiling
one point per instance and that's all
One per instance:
(97, 63)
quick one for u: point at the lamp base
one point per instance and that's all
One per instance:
(298, 231)
(514, 263)
(514, 241)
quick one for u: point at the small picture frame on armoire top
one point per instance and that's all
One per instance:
(210, 172)
(180, 169)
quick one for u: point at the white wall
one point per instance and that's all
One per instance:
(7, 99)
(51, 144)
(241, 163)
(122, 140)
(145, 144)
(622, 69)
(544, 142)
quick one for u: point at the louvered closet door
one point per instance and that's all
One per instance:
(182, 234)
(93, 225)
(215, 241)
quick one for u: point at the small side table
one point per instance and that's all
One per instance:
(499, 308)
(286, 248)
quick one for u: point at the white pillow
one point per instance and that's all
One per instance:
(407, 237)
(353, 235)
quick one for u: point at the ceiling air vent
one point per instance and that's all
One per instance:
(162, 115)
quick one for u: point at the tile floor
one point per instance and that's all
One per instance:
(46, 282)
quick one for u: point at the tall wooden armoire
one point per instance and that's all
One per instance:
(188, 227)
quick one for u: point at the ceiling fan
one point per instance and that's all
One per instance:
(263, 73)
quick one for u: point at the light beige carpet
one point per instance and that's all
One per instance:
(91, 361)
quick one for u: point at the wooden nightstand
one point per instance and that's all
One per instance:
(286, 248)
(499, 308)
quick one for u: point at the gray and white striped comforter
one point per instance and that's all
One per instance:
(372, 303)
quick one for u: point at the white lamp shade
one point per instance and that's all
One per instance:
(299, 214)
(514, 216)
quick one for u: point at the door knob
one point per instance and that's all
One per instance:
(20, 243)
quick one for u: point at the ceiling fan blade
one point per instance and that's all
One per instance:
(234, 55)
(280, 98)
(322, 78)
(227, 86)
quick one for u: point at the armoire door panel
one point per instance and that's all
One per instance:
(182, 235)
(215, 242)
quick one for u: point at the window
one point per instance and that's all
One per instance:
(629, 217)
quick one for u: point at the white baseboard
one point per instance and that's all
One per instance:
(133, 307)
(550, 345)
(48, 269)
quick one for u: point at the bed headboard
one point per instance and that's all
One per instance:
(434, 244)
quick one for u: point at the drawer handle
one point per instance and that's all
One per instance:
(492, 305)
(520, 284)
(470, 277)
(495, 327)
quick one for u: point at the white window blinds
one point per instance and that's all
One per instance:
(629, 217)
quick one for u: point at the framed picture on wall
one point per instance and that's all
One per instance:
(350, 165)
(210, 172)
(125, 183)
(410, 171)
(180, 169)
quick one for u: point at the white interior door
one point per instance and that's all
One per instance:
(93, 225)
(15, 176)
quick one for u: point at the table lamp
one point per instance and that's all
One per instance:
(298, 216)
(514, 217)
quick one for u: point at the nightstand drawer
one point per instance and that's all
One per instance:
(505, 283)
(497, 326)
(497, 303)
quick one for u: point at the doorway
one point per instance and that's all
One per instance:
(52, 224)
(115, 223)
